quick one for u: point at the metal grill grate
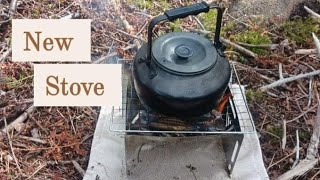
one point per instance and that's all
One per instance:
(133, 118)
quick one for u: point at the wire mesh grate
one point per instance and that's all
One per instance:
(133, 118)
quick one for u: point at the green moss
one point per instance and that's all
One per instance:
(304, 135)
(175, 26)
(13, 83)
(150, 5)
(255, 37)
(299, 30)
(35, 14)
(228, 28)
(275, 130)
(209, 20)
(253, 95)
(142, 4)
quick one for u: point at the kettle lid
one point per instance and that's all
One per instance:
(184, 53)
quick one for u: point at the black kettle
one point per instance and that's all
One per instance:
(181, 73)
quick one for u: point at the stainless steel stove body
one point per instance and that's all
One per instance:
(231, 124)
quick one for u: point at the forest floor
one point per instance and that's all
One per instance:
(53, 142)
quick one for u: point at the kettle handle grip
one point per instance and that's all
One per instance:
(183, 12)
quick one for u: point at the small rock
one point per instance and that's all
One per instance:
(35, 133)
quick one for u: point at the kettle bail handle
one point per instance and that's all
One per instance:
(183, 12)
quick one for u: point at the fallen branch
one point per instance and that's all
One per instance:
(238, 47)
(303, 167)
(311, 12)
(317, 43)
(306, 51)
(289, 79)
(264, 46)
(20, 119)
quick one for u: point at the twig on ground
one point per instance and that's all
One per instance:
(317, 43)
(126, 24)
(264, 46)
(232, 44)
(302, 114)
(284, 134)
(144, 14)
(78, 168)
(238, 47)
(20, 119)
(5, 55)
(10, 144)
(297, 150)
(306, 51)
(13, 6)
(103, 58)
(315, 175)
(311, 159)
(311, 12)
(303, 167)
(289, 79)
(280, 71)
(37, 170)
(314, 141)
(281, 159)
(33, 139)
(310, 93)
(199, 23)
(130, 35)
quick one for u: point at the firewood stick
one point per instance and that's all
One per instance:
(289, 79)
